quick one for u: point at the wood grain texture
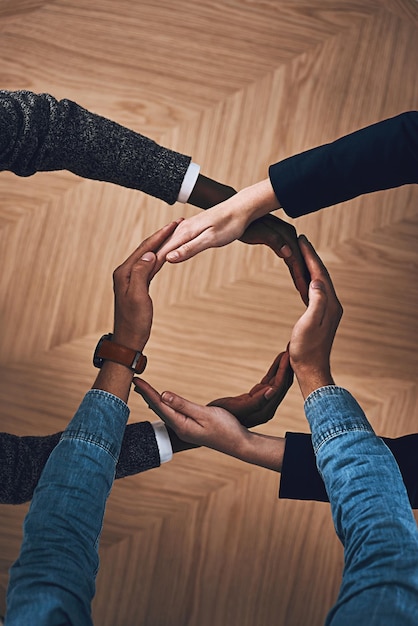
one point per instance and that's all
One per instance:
(238, 84)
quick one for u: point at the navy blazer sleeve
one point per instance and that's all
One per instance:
(39, 133)
(22, 459)
(300, 479)
(380, 156)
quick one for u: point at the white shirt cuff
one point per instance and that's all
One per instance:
(163, 441)
(189, 182)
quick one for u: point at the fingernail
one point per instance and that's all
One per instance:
(269, 393)
(148, 256)
(286, 251)
(317, 284)
(172, 256)
(167, 397)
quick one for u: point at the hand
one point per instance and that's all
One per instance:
(214, 428)
(281, 237)
(133, 305)
(221, 224)
(259, 405)
(199, 425)
(313, 335)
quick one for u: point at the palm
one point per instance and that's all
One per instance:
(252, 408)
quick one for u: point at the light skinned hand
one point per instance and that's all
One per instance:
(313, 335)
(259, 405)
(214, 428)
(220, 224)
(133, 305)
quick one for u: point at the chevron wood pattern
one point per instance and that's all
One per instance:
(238, 84)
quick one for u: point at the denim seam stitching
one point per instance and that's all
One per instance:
(330, 436)
(89, 439)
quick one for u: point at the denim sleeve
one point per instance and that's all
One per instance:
(53, 580)
(371, 514)
(380, 156)
(39, 133)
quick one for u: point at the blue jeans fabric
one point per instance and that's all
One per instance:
(371, 512)
(53, 580)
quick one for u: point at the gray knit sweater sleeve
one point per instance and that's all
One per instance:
(22, 459)
(39, 133)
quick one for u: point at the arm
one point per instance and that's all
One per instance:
(300, 479)
(54, 577)
(39, 133)
(369, 503)
(380, 156)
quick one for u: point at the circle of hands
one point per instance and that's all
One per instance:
(223, 423)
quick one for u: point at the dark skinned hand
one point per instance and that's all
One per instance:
(259, 405)
(282, 238)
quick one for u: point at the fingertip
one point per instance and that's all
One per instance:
(173, 256)
(269, 393)
(286, 251)
(148, 256)
(317, 284)
(167, 397)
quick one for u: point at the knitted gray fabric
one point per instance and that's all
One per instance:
(22, 459)
(39, 133)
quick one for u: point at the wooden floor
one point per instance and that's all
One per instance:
(238, 84)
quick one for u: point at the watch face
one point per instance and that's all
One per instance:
(97, 360)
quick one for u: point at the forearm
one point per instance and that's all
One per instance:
(380, 156)
(58, 559)
(22, 462)
(39, 133)
(368, 499)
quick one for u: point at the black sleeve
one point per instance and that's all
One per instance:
(300, 479)
(22, 459)
(139, 451)
(39, 133)
(380, 156)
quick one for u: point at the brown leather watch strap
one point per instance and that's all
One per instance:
(110, 351)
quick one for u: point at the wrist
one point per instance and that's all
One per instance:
(130, 340)
(311, 379)
(263, 450)
(259, 199)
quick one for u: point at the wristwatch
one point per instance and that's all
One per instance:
(108, 350)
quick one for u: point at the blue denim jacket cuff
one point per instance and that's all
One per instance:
(332, 411)
(100, 420)
(109, 398)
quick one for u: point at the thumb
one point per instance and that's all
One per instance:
(142, 269)
(318, 300)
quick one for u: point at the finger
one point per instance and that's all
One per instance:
(197, 244)
(318, 302)
(272, 371)
(150, 395)
(170, 416)
(181, 405)
(316, 267)
(300, 276)
(151, 244)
